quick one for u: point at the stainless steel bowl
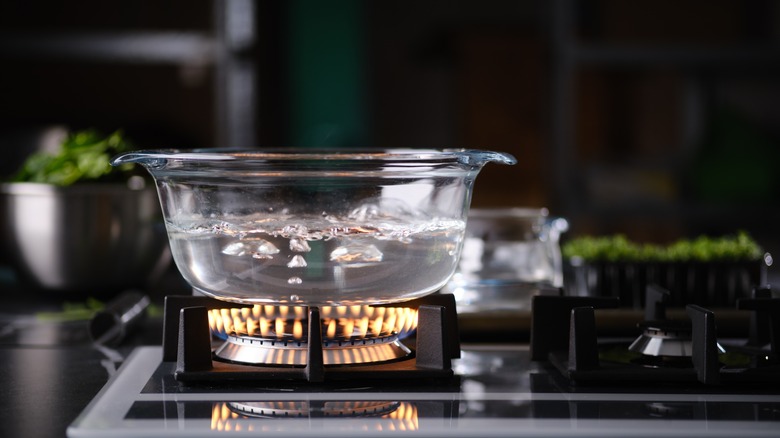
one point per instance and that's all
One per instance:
(90, 239)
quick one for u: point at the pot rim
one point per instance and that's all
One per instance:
(217, 156)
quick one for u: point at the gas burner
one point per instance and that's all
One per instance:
(357, 343)
(343, 323)
(665, 338)
(564, 333)
(277, 335)
(257, 351)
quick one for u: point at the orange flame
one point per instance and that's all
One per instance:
(298, 329)
(349, 322)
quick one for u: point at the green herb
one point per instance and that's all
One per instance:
(740, 247)
(73, 311)
(83, 311)
(83, 156)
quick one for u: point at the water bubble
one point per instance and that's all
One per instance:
(296, 230)
(299, 245)
(365, 212)
(385, 208)
(236, 249)
(297, 262)
(356, 253)
(294, 280)
(266, 248)
(199, 229)
(258, 248)
(223, 228)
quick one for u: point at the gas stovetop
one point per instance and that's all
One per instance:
(495, 391)
(563, 384)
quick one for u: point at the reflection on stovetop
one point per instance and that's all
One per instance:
(499, 384)
(163, 381)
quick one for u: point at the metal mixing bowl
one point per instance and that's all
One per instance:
(86, 239)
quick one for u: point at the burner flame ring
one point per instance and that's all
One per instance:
(258, 351)
(269, 335)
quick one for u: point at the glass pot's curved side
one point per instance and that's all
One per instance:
(310, 233)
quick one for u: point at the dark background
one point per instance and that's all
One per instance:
(656, 119)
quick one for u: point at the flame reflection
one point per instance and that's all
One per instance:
(376, 415)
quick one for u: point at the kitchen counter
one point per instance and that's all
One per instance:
(45, 388)
(50, 370)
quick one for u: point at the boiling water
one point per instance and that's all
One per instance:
(320, 260)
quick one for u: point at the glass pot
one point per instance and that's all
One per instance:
(508, 255)
(307, 227)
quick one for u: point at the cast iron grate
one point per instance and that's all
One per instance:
(564, 333)
(187, 342)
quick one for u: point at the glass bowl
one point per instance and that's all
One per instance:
(315, 227)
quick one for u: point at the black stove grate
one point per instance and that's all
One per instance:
(187, 342)
(564, 333)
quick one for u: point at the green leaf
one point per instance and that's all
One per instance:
(83, 156)
(739, 247)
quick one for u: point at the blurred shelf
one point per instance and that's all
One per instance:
(747, 56)
(130, 47)
(687, 210)
(229, 47)
(754, 55)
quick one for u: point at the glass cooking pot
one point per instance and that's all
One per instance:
(310, 227)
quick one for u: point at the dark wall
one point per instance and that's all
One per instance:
(656, 119)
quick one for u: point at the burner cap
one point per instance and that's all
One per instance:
(668, 338)
(258, 351)
(664, 338)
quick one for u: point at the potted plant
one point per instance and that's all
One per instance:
(708, 271)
